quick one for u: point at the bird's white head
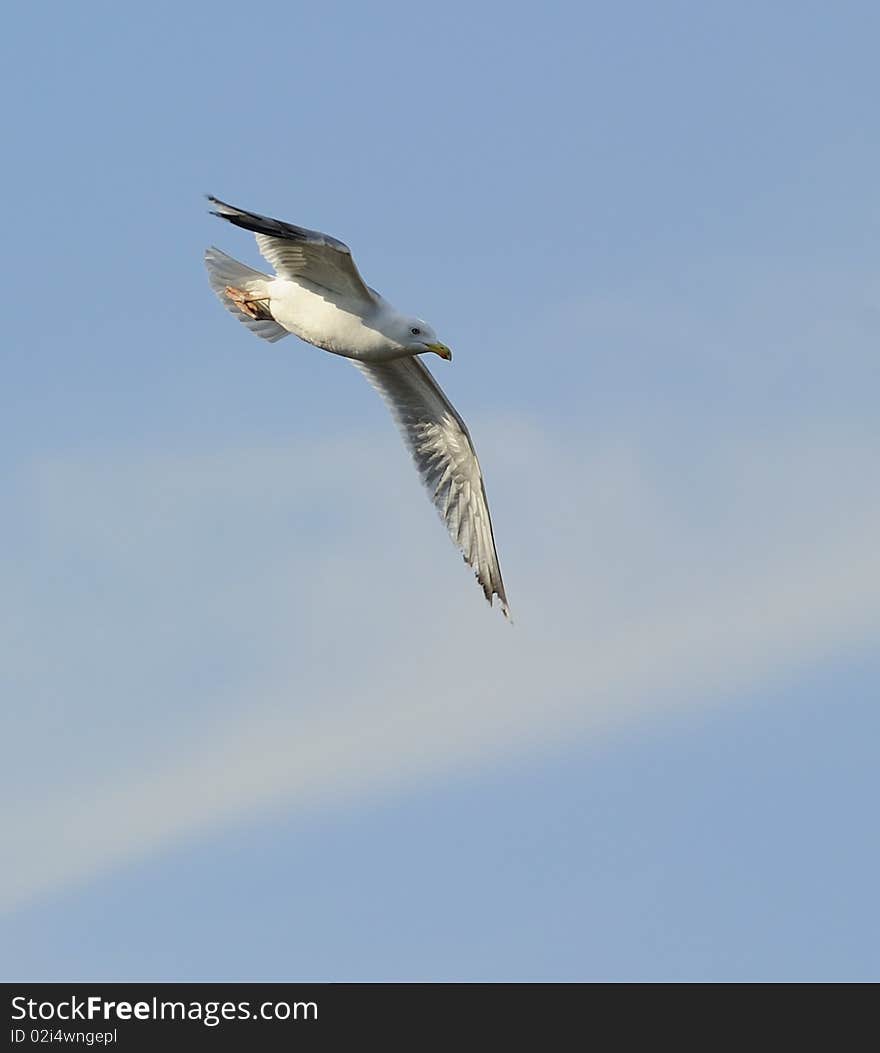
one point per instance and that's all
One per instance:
(418, 337)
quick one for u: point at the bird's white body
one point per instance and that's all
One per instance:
(320, 319)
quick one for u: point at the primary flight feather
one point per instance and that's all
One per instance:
(317, 293)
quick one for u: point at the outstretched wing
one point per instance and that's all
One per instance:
(298, 253)
(444, 455)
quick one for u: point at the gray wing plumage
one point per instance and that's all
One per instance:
(298, 253)
(444, 455)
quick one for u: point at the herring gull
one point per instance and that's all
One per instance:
(318, 294)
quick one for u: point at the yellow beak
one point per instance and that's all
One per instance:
(440, 349)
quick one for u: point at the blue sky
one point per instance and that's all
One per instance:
(259, 723)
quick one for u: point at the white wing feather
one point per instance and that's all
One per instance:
(444, 455)
(300, 254)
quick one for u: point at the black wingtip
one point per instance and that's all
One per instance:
(220, 204)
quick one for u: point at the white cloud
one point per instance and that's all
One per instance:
(193, 638)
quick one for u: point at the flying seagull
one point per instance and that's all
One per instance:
(318, 294)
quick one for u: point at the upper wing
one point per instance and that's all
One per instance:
(295, 252)
(444, 455)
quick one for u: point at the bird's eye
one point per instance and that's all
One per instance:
(416, 331)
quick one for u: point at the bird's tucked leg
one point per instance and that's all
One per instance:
(253, 307)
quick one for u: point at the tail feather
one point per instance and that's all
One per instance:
(223, 272)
